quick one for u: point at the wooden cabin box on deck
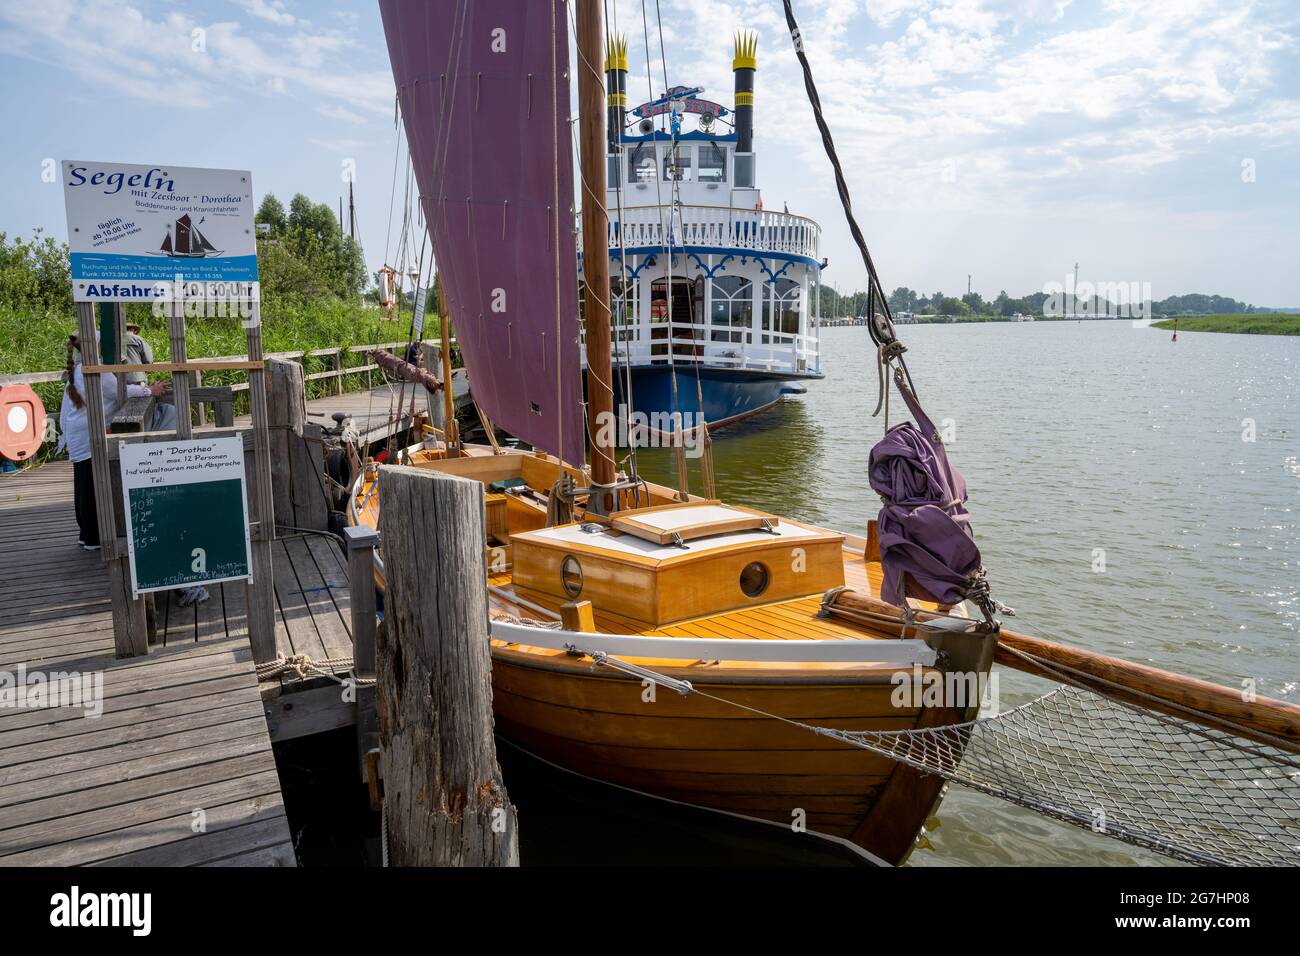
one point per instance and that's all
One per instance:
(659, 583)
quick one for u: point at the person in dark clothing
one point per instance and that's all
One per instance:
(74, 424)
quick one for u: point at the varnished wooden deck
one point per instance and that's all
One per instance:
(178, 769)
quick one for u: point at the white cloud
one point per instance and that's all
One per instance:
(343, 114)
(272, 11)
(123, 49)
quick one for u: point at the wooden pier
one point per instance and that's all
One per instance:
(178, 769)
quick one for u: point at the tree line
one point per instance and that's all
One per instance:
(974, 306)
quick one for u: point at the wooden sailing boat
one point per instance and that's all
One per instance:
(695, 590)
(642, 636)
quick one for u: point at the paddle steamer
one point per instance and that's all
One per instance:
(716, 300)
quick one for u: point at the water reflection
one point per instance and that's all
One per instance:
(770, 461)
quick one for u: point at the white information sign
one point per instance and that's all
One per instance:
(133, 230)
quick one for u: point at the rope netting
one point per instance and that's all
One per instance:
(1185, 791)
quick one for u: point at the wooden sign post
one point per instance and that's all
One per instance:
(192, 241)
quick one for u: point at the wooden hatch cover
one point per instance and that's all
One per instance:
(22, 422)
(688, 521)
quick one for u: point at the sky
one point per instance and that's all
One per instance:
(1149, 141)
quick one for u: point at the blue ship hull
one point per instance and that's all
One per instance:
(729, 394)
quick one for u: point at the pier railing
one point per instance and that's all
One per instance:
(720, 227)
(331, 369)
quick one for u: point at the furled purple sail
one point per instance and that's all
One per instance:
(483, 88)
(927, 549)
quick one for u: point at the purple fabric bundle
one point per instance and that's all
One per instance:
(927, 548)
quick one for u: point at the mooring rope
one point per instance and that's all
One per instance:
(302, 666)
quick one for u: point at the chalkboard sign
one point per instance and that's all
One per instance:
(186, 512)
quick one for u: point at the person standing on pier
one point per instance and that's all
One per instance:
(138, 352)
(74, 423)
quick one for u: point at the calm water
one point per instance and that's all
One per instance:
(1074, 437)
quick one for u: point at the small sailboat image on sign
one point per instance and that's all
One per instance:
(189, 242)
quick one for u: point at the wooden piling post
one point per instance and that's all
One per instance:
(260, 593)
(297, 487)
(361, 542)
(444, 799)
(130, 628)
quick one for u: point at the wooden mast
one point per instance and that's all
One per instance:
(595, 240)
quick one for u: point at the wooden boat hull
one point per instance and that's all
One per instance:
(698, 751)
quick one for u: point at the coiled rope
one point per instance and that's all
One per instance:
(302, 667)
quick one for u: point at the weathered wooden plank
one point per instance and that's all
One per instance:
(298, 713)
(298, 634)
(279, 855)
(170, 837)
(127, 793)
(268, 829)
(214, 712)
(316, 593)
(334, 569)
(162, 704)
(134, 757)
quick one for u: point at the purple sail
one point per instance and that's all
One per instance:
(927, 548)
(484, 94)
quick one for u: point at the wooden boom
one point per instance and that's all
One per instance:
(1263, 719)
(405, 370)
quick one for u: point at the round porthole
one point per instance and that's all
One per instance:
(753, 580)
(571, 576)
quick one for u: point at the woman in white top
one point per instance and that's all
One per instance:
(74, 423)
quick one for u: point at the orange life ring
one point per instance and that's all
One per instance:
(22, 422)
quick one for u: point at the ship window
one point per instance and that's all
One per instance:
(754, 579)
(782, 305)
(677, 164)
(713, 163)
(641, 163)
(611, 171)
(622, 300)
(571, 576)
(745, 170)
(732, 308)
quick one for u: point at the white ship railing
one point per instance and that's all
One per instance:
(758, 351)
(719, 227)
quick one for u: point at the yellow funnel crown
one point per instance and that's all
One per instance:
(746, 52)
(616, 53)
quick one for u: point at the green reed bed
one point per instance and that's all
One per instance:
(1257, 323)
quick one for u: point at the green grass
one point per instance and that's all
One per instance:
(1254, 324)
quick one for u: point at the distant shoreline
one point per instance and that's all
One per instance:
(1259, 323)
